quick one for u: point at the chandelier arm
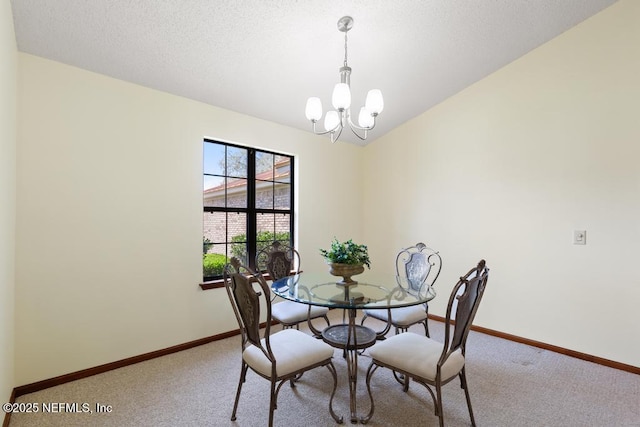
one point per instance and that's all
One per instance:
(335, 136)
(361, 137)
(317, 132)
(355, 126)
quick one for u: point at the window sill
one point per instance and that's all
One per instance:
(219, 283)
(212, 284)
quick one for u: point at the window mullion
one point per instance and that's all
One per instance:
(251, 207)
(291, 200)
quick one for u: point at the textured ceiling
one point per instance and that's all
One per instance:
(264, 58)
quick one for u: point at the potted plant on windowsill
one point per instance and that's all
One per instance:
(346, 259)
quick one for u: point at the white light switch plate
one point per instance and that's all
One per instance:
(580, 237)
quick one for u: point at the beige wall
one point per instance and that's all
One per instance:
(508, 168)
(109, 237)
(8, 64)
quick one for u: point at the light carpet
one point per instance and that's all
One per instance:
(511, 385)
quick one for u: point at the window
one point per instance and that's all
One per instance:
(247, 203)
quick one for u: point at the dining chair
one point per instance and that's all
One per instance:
(281, 357)
(280, 261)
(430, 362)
(420, 266)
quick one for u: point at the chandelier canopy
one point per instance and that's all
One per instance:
(338, 119)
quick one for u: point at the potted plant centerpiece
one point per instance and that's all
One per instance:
(346, 259)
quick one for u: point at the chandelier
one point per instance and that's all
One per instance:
(338, 119)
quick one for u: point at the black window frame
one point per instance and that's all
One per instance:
(251, 211)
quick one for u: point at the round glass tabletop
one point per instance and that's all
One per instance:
(372, 292)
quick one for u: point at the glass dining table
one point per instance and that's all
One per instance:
(373, 291)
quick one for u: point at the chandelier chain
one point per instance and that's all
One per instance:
(345, 49)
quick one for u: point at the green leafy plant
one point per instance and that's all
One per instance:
(346, 253)
(206, 244)
(213, 264)
(263, 239)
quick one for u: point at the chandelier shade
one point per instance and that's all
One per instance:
(314, 109)
(339, 118)
(341, 98)
(365, 119)
(331, 120)
(374, 101)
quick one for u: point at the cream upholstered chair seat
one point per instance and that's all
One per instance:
(417, 354)
(293, 313)
(292, 349)
(403, 317)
